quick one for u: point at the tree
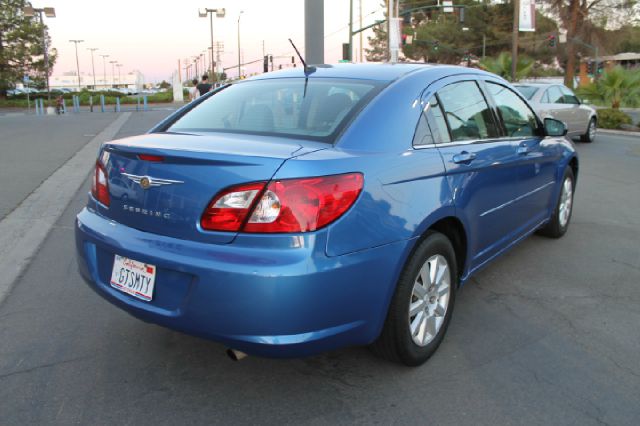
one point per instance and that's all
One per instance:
(438, 36)
(579, 17)
(377, 51)
(616, 87)
(164, 85)
(502, 65)
(21, 46)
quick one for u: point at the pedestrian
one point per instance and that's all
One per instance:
(60, 105)
(193, 91)
(204, 86)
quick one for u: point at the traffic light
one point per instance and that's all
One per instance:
(265, 64)
(600, 68)
(345, 52)
(404, 39)
(551, 40)
(293, 59)
(436, 45)
(590, 67)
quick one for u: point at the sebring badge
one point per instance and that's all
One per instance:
(147, 182)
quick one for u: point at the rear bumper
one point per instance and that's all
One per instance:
(280, 297)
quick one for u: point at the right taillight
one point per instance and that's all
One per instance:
(283, 206)
(100, 185)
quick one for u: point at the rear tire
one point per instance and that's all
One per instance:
(422, 304)
(590, 135)
(559, 222)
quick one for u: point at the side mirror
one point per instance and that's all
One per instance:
(553, 127)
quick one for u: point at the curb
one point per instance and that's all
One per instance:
(24, 229)
(619, 132)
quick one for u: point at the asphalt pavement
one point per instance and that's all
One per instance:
(547, 334)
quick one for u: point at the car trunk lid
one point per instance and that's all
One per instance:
(162, 183)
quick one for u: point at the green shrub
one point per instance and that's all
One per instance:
(612, 118)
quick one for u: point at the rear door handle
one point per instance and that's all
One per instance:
(464, 157)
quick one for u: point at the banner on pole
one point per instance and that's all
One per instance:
(527, 16)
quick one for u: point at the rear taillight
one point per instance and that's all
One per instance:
(100, 185)
(284, 206)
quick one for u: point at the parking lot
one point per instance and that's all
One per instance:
(547, 334)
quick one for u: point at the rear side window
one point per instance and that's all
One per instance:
(527, 91)
(555, 95)
(467, 112)
(517, 117)
(314, 109)
(423, 133)
(437, 123)
(568, 96)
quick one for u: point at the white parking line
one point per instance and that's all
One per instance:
(24, 229)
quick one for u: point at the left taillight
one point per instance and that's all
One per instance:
(100, 185)
(283, 206)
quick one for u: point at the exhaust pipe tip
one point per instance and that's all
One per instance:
(235, 355)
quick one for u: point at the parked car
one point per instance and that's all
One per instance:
(559, 102)
(306, 210)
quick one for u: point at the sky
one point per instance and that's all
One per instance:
(152, 36)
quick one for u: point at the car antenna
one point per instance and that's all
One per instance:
(307, 69)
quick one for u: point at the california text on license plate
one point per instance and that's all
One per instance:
(133, 277)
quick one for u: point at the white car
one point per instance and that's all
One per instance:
(559, 102)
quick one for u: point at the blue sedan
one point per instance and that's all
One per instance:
(306, 210)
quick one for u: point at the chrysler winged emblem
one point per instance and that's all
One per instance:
(147, 182)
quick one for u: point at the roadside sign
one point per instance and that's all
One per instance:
(448, 6)
(25, 78)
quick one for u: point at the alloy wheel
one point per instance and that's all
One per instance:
(429, 300)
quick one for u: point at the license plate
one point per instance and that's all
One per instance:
(133, 277)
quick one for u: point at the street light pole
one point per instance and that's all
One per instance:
(239, 65)
(93, 66)
(220, 13)
(211, 27)
(113, 73)
(77, 61)
(104, 67)
(119, 76)
(49, 12)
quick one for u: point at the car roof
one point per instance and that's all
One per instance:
(368, 71)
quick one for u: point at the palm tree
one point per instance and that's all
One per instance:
(617, 86)
(502, 65)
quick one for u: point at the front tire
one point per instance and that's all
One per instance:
(422, 305)
(591, 132)
(559, 222)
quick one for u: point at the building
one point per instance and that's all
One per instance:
(133, 80)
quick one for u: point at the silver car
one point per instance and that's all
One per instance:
(557, 101)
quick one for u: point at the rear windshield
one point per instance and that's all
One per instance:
(314, 109)
(527, 91)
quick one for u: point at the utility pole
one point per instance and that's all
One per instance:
(360, 10)
(314, 31)
(77, 61)
(104, 66)
(514, 39)
(93, 66)
(219, 50)
(239, 65)
(350, 30)
(392, 36)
